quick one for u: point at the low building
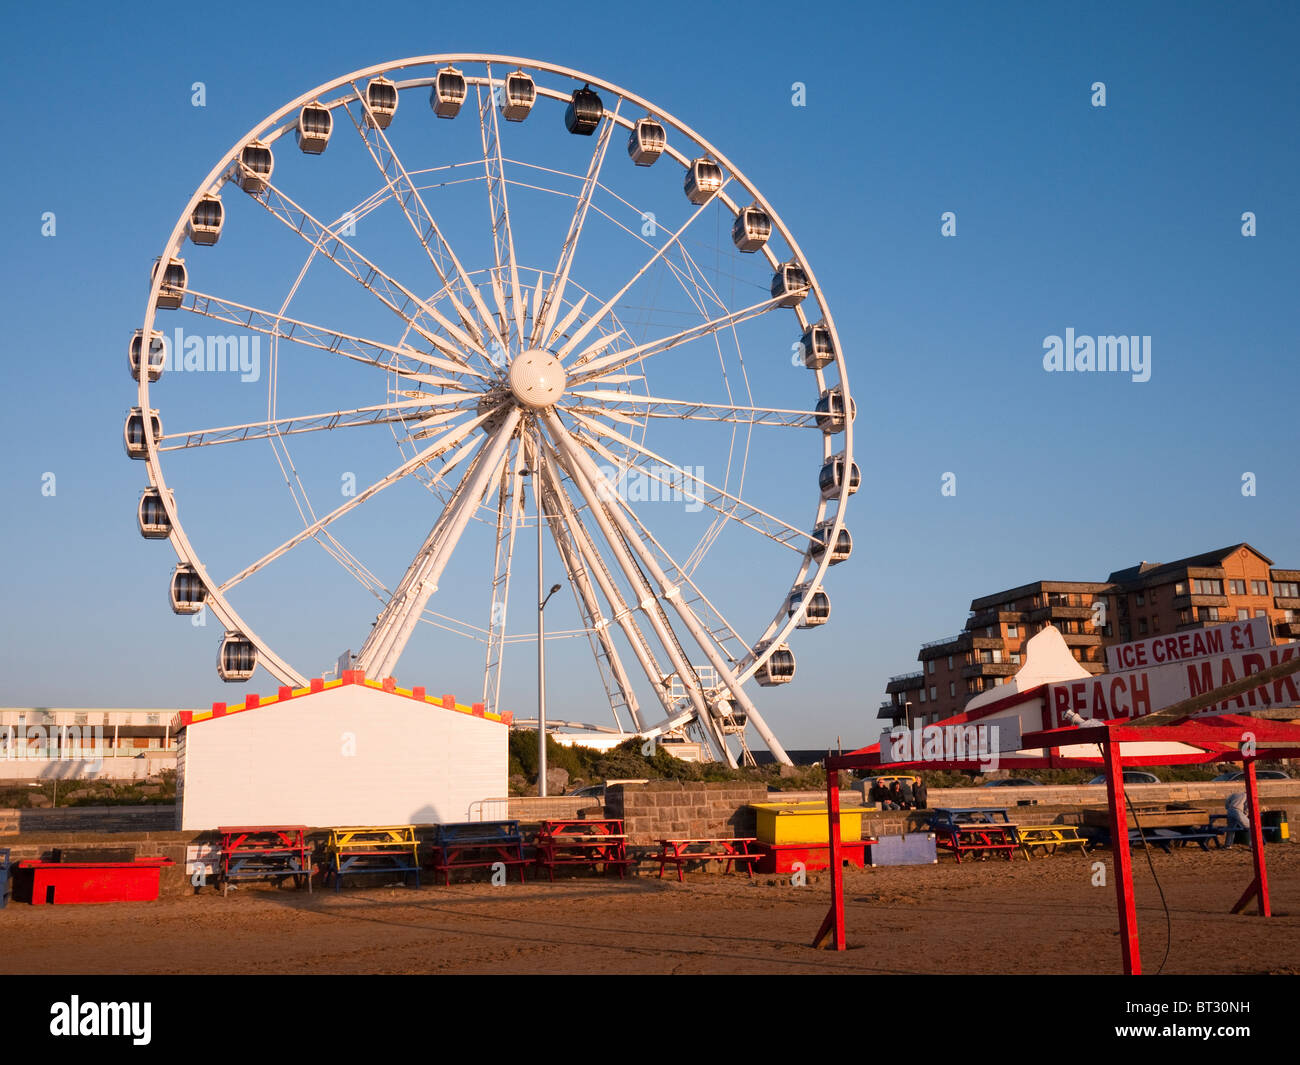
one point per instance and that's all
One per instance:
(39, 742)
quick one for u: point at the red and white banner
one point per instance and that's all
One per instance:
(1246, 635)
(1136, 692)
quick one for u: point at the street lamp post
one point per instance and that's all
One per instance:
(542, 600)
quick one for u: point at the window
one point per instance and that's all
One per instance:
(1107, 631)
(1155, 592)
(1184, 616)
(1140, 599)
(1155, 623)
(1287, 589)
(1013, 630)
(1142, 626)
(950, 662)
(1259, 587)
(1180, 588)
(80, 719)
(952, 689)
(1015, 657)
(1207, 587)
(1264, 614)
(1207, 613)
(1242, 614)
(922, 695)
(989, 632)
(1236, 587)
(930, 666)
(152, 719)
(934, 694)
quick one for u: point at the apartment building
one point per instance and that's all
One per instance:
(1231, 583)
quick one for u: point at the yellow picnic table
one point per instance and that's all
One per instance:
(1052, 836)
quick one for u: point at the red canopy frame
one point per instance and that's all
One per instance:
(1222, 739)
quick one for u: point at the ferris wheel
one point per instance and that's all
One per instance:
(623, 349)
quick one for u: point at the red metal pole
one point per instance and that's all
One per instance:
(1128, 933)
(837, 868)
(1256, 838)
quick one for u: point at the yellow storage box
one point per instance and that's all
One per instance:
(803, 822)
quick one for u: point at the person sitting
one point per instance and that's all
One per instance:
(895, 796)
(905, 790)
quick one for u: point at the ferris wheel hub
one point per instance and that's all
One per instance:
(537, 379)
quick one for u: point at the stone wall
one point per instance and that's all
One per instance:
(667, 809)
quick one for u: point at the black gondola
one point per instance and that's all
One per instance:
(789, 285)
(381, 98)
(518, 96)
(817, 612)
(206, 220)
(646, 142)
(151, 516)
(778, 669)
(818, 347)
(582, 116)
(821, 534)
(703, 180)
(254, 166)
(133, 432)
(751, 229)
(187, 591)
(831, 478)
(830, 410)
(157, 355)
(175, 278)
(315, 124)
(236, 658)
(447, 92)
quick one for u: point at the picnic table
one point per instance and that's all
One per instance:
(592, 842)
(979, 829)
(373, 849)
(1166, 838)
(1050, 836)
(734, 851)
(264, 852)
(477, 844)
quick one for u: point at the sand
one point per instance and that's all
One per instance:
(1044, 916)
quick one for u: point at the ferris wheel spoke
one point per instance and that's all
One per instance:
(543, 321)
(693, 488)
(404, 410)
(586, 479)
(503, 240)
(567, 526)
(393, 628)
(508, 511)
(400, 300)
(282, 327)
(616, 511)
(606, 403)
(407, 196)
(435, 450)
(600, 368)
(581, 333)
(614, 676)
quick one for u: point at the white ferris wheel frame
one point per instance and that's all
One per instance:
(569, 450)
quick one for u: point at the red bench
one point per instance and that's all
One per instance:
(731, 851)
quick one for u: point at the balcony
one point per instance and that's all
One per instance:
(1084, 639)
(1289, 628)
(905, 682)
(1181, 601)
(990, 669)
(1283, 602)
(1062, 611)
(988, 643)
(985, 618)
(948, 645)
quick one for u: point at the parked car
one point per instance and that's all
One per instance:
(1131, 776)
(1011, 782)
(1260, 774)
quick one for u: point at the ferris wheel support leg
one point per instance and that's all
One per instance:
(585, 476)
(620, 611)
(673, 594)
(581, 582)
(393, 629)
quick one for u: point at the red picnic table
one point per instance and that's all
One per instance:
(979, 829)
(591, 842)
(731, 851)
(265, 852)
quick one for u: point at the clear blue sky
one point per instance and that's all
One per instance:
(1117, 220)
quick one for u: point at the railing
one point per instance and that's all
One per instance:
(946, 639)
(489, 810)
(907, 676)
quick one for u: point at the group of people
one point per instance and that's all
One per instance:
(906, 794)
